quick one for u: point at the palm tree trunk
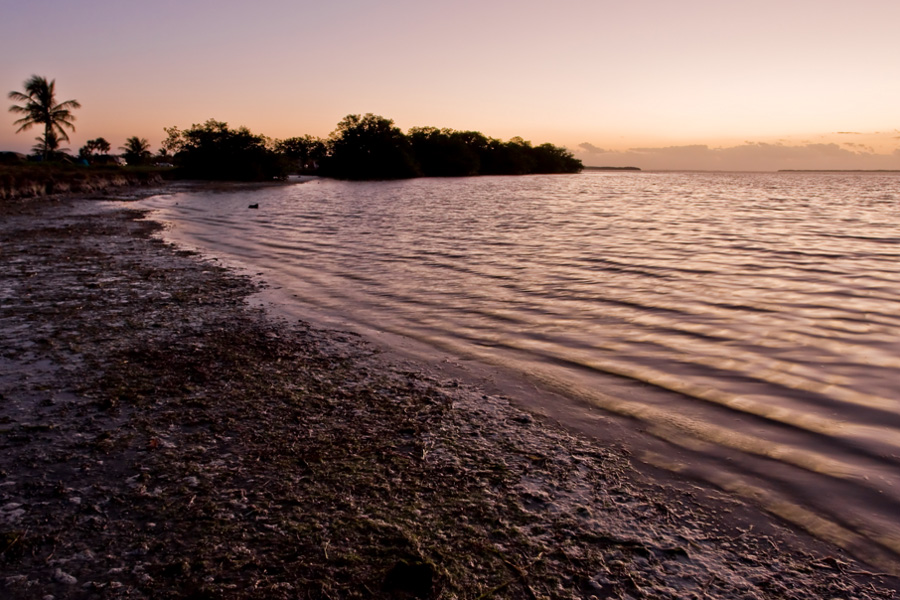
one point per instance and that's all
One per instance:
(47, 128)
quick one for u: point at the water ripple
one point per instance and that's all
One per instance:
(762, 310)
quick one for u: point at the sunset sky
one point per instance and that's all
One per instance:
(693, 84)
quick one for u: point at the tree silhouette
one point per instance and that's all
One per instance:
(47, 145)
(98, 146)
(39, 107)
(444, 152)
(553, 159)
(362, 147)
(305, 153)
(136, 150)
(368, 147)
(213, 151)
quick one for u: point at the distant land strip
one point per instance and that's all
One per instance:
(832, 170)
(612, 168)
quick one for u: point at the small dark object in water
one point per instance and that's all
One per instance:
(253, 206)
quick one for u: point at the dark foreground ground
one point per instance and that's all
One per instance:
(159, 438)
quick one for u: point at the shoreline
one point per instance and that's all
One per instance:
(160, 436)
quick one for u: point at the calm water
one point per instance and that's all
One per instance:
(759, 312)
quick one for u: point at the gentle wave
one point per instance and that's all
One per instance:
(762, 310)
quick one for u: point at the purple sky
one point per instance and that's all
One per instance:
(761, 85)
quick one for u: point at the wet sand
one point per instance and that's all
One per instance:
(162, 436)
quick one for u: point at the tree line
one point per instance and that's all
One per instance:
(362, 147)
(372, 147)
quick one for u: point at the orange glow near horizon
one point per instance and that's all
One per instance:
(616, 77)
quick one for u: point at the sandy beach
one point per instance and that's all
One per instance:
(161, 437)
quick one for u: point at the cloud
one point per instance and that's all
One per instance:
(848, 133)
(860, 147)
(592, 149)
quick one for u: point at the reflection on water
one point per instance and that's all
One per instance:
(767, 305)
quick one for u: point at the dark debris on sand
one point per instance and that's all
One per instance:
(160, 438)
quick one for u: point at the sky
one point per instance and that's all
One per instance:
(657, 84)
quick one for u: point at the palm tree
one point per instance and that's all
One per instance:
(137, 150)
(40, 108)
(47, 144)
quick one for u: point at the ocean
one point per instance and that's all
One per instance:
(746, 325)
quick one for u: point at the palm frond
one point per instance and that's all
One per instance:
(19, 97)
(26, 124)
(60, 132)
(67, 105)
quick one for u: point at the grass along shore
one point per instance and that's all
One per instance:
(30, 180)
(161, 438)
